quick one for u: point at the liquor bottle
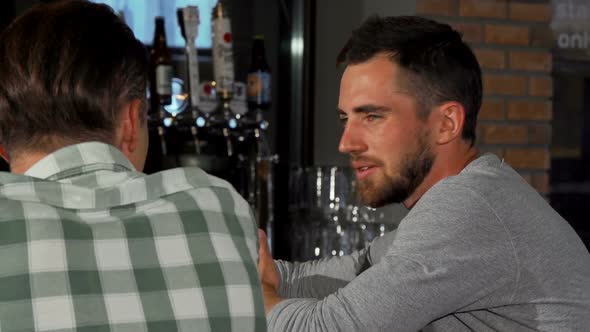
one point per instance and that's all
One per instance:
(223, 58)
(259, 78)
(160, 69)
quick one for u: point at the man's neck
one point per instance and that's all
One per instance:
(445, 165)
(24, 161)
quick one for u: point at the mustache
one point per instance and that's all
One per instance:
(365, 159)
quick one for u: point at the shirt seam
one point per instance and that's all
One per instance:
(87, 168)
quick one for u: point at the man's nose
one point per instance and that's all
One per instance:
(351, 140)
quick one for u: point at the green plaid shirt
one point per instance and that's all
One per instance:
(89, 244)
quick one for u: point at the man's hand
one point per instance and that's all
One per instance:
(269, 276)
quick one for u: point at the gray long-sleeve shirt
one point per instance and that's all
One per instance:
(480, 251)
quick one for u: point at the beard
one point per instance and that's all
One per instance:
(413, 168)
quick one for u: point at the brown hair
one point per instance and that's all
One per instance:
(436, 65)
(66, 69)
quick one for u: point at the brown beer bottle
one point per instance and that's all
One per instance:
(160, 68)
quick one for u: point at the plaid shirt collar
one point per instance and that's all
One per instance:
(95, 175)
(78, 159)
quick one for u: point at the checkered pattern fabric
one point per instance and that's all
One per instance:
(89, 244)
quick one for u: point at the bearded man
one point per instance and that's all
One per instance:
(480, 249)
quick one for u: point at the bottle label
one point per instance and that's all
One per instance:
(223, 57)
(238, 103)
(207, 97)
(164, 80)
(259, 87)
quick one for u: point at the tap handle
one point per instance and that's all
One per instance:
(162, 140)
(230, 148)
(195, 134)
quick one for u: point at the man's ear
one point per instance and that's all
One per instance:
(126, 136)
(3, 154)
(450, 120)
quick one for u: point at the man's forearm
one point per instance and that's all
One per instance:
(319, 278)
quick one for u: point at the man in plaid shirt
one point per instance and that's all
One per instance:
(87, 241)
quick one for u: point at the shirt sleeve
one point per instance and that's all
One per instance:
(444, 258)
(319, 278)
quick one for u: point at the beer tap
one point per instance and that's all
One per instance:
(223, 71)
(226, 120)
(188, 20)
(156, 120)
(162, 136)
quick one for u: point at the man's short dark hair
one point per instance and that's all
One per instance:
(66, 69)
(437, 66)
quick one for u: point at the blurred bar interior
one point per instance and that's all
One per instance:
(256, 103)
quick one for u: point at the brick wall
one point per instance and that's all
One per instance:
(512, 41)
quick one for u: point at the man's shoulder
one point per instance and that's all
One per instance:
(481, 179)
(205, 189)
(175, 181)
(10, 209)
(188, 178)
(16, 190)
(460, 199)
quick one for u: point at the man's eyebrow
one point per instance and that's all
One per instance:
(371, 109)
(363, 109)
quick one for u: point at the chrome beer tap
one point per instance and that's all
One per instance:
(188, 20)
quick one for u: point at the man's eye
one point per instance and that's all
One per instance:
(343, 119)
(372, 117)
